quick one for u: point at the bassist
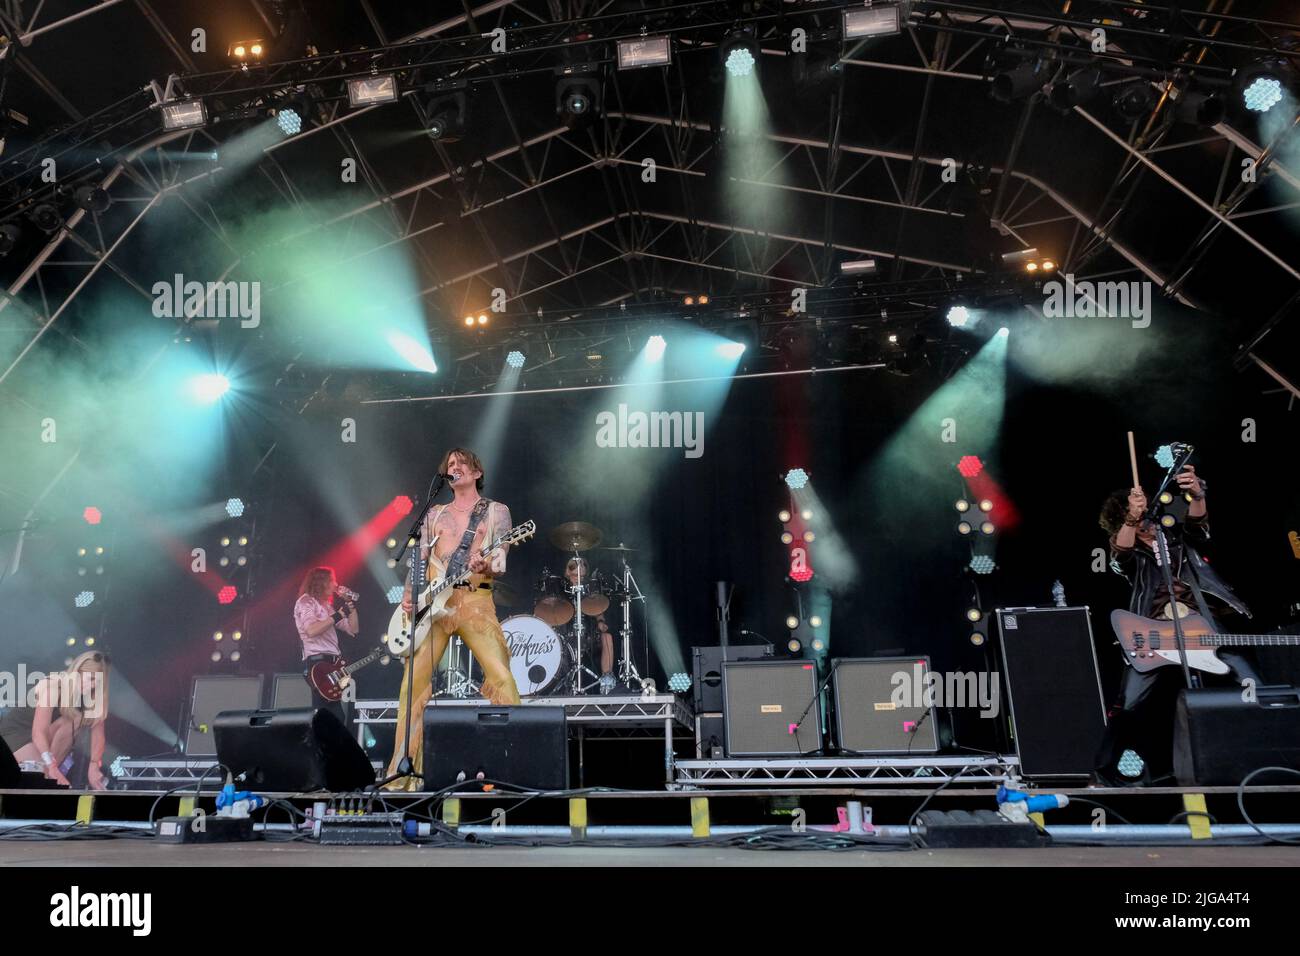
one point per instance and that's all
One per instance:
(1133, 554)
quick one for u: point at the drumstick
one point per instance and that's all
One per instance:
(1133, 459)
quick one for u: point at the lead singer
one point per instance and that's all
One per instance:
(471, 613)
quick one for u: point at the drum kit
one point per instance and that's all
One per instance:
(550, 648)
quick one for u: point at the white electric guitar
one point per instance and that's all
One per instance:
(404, 634)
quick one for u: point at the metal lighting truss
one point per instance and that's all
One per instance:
(648, 254)
(834, 771)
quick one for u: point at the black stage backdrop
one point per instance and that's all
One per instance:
(698, 520)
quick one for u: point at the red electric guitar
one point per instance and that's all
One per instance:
(330, 678)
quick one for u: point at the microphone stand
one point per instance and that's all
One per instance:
(1162, 558)
(405, 768)
(821, 688)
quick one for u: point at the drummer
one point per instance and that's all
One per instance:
(594, 626)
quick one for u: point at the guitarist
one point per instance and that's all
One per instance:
(453, 536)
(318, 625)
(1133, 554)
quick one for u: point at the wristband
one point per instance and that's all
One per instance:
(1131, 522)
(47, 758)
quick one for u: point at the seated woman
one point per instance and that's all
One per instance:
(68, 708)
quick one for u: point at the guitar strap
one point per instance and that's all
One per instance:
(459, 558)
(1190, 559)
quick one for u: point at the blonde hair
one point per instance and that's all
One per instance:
(66, 685)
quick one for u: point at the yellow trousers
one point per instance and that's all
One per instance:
(474, 617)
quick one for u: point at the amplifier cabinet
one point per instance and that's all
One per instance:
(770, 708)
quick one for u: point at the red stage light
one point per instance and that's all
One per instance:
(92, 515)
(970, 466)
(802, 574)
(227, 594)
(401, 506)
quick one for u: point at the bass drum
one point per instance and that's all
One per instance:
(539, 660)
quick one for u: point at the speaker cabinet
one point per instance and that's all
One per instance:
(710, 736)
(1220, 738)
(770, 708)
(10, 775)
(879, 712)
(212, 695)
(1053, 688)
(289, 690)
(296, 751)
(707, 667)
(527, 746)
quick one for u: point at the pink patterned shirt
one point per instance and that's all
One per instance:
(309, 611)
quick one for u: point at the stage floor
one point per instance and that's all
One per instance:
(133, 853)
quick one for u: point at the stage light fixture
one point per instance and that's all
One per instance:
(969, 466)
(1077, 88)
(858, 267)
(85, 599)
(794, 645)
(815, 620)
(45, 216)
(227, 594)
(1031, 266)
(1199, 109)
(964, 527)
(977, 638)
(787, 538)
(372, 90)
(870, 21)
(1168, 521)
(469, 320)
(796, 478)
(689, 300)
(225, 542)
(234, 507)
(679, 683)
(809, 537)
(1020, 81)
(91, 199)
(185, 114)
(577, 93)
(806, 514)
(10, 233)
(394, 594)
(1135, 100)
(986, 504)
(802, 575)
(792, 622)
(390, 543)
(986, 527)
(234, 656)
(783, 516)
(92, 515)
(236, 635)
(289, 120)
(392, 562)
(1165, 456)
(482, 318)
(207, 388)
(1262, 94)
(243, 52)
(643, 52)
(958, 316)
(974, 614)
(739, 52)
(224, 561)
(893, 340)
(704, 300)
(962, 505)
(1166, 498)
(1003, 332)
(217, 635)
(1130, 764)
(515, 359)
(401, 506)
(1049, 265)
(655, 347)
(71, 642)
(982, 564)
(446, 110)
(216, 657)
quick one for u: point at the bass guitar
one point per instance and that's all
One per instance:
(1149, 644)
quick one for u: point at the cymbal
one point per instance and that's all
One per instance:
(619, 548)
(594, 604)
(554, 611)
(503, 594)
(575, 536)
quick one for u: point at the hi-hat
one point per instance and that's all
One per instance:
(575, 536)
